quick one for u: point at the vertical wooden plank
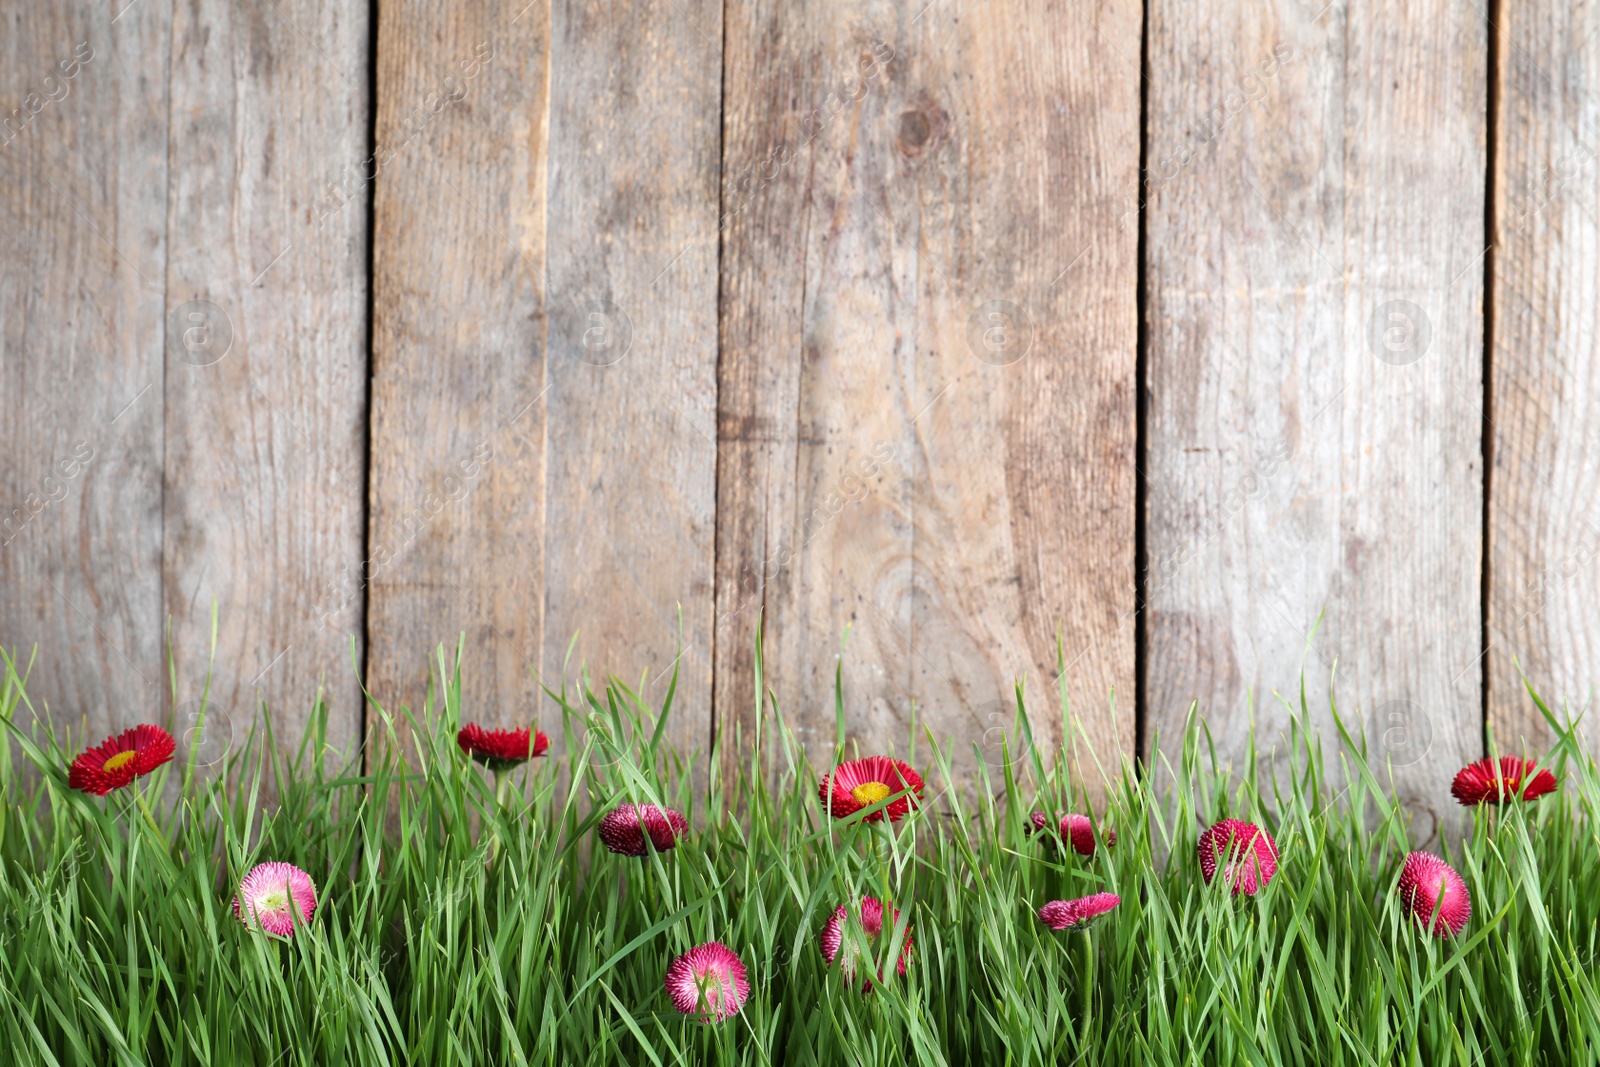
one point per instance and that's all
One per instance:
(266, 362)
(927, 417)
(1315, 281)
(1544, 519)
(83, 167)
(634, 135)
(458, 417)
(619, 499)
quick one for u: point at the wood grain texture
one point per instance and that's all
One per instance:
(634, 135)
(456, 541)
(83, 169)
(266, 369)
(1314, 447)
(1544, 491)
(926, 411)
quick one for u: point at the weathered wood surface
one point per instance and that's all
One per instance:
(1544, 486)
(927, 376)
(825, 317)
(83, 242)
(1315, 239)
(267, 364)
(549, 328)
(456, 538)
(204, 445)
(630, 485)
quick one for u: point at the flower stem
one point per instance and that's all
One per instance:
(502, 789)
(1085, 976)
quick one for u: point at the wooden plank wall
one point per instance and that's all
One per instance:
(635, 125)
(84, 165)
(185, 354)
(1315, 272)
(544, 399)
(456, 531)
(265, 446)
(1544, 533)
(927, 382)
(823, 316)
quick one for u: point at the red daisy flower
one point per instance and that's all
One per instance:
(500, 750)
(117, 761)
(835, 945)
(861, 783)
(1061, 914)
(1429, 884)
(1078, 829)
(1251, 854)
(623, 830)
(708, 981)
(1481, 782)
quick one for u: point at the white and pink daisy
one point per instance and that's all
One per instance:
(1064, 914)
(1246, 853)
(708, 981)
(842, 945)
(269, 896)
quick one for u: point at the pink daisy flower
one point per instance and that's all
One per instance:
(117, 761)
(500, 750)
(1061, 914)
(623, 829)
(1077, 829)
(861, 783)
(270, 894)
(836, 945)
(1251, 855)
(1039, 823)
(708, 981)
(1482, 782)
(1427, 884)
(1080, 831)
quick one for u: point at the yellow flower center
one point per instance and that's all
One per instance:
(870, 792)
(119, 761)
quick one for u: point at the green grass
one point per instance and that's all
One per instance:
(119, 946)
